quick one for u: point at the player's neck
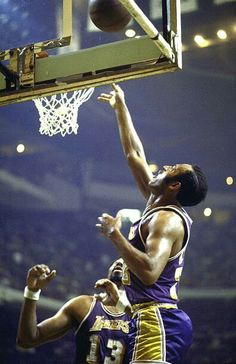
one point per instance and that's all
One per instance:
(162, 200)
(113, 309)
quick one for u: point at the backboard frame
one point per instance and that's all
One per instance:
(113, 62)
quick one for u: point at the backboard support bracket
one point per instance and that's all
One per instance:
(11, 78)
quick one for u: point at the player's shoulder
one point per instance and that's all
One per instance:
(166, 213)
(79, 306)
(166, 218)
(85, 300)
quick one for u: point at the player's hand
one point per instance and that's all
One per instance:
(107, 224)
(115, 97)
(111, 295)
(39, 276)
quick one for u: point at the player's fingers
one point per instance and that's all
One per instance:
(102, 283)
(101, 223)
(51, 275)
(97, 297)
(41, 267)
(101, 296)
(99, 283)
(102, 229)
(104, 219)
(103, 99)
(37, 270)
(106, 216)
(116, 87)
(107, 96)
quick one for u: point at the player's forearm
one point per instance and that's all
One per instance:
(27, 328)
(130, 140)
(138, 262)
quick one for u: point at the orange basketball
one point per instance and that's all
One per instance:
(108, 15)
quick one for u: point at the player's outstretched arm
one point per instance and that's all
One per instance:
(131, 143)
(30, 332)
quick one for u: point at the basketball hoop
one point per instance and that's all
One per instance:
(59, 113)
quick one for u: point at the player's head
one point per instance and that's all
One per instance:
(193, 188)
(189, 181)
(115, 271)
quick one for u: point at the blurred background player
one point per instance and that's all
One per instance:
(100, 330)
(155, 249)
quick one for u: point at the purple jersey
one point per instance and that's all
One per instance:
(165, 289)
(100, 337)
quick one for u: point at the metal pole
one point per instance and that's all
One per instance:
(67, 18)
(166, 20)
(148, 27)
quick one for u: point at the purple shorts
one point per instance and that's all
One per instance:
(159, 334)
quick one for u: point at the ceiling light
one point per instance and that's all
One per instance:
(207, 211)
(229, 181)
(201, 41)
(20, 148)
(221, 34)
(130, 33)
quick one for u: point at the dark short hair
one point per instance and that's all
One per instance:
(193, 186)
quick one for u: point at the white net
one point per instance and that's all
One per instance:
(59, 113)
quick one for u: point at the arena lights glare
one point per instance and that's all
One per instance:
(207, 212)
(201, 41)
(221, 34)
(153, 167)
(129, 214)
(130, 33)
(229, 181)
(185, 48)
(20, 148)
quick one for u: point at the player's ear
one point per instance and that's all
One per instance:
(175, 186)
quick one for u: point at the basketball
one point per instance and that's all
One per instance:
(108, 15)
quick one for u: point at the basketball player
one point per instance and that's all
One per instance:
(155, 249)
(100, 330)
